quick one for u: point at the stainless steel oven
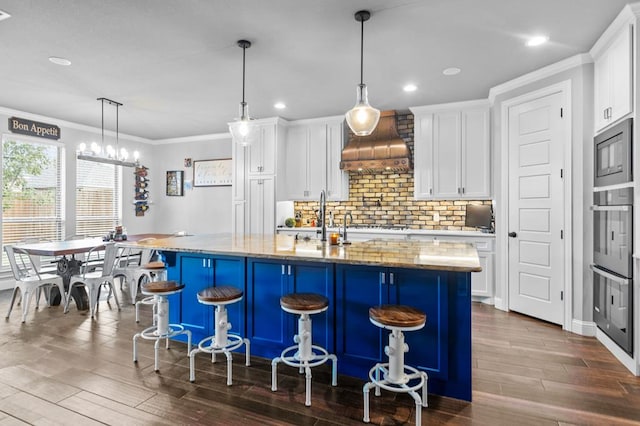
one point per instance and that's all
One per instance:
(613, 230)
(613, 155)
(613, 266)
(612, 311)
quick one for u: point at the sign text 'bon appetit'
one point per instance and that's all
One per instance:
(33, 128)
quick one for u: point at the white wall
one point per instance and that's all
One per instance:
(202, 210)
(581, 78)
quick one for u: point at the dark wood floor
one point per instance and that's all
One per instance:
(69, 369)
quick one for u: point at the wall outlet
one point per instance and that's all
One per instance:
(436, 216)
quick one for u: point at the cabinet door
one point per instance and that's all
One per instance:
(316, 161)
(337, 179)
(238, 171)
(296, 157)
(359, 344)
(482, 282)
(476, 154)
(601, 91)
(620, 75)
(229, 271)
(314, 278)
(237, 217)
(261, 206)
(446, 155)
(427, 291)
(262, 151)
(196, 275)
(423, 157)
(266, 321)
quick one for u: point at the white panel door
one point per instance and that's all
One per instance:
(536, 249)
(337, 179)
(446, 155)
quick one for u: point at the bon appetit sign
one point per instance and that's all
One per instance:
(34, 128)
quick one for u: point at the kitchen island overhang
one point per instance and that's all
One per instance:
(431, 276)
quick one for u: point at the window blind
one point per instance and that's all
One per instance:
(32, 192)
(98, 198)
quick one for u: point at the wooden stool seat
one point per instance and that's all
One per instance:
(397, 316)
(304, 302)
(154, 265)
(161, 287)
(223, 293)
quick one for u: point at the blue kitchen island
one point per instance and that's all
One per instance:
(432, 276)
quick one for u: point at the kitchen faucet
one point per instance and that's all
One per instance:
(344, 227)
(323, 211)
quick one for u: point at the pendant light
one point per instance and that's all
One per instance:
(242, 131)
(109, 155)
(362, 118)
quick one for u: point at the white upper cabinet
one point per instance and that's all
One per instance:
(312, 160)
(262, 151)
(337, 179)
(476, 154)
(452, 151)
(306, 161)
(613, 79)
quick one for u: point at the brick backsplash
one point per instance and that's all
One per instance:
(386, 198)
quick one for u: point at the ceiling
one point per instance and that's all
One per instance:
(176, 66)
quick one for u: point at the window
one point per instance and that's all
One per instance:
(98, 199)
(31, 191)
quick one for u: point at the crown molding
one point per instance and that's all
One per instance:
(542, 73)
(427, 109)
(627, 16)
(198, 138)
(72, 125)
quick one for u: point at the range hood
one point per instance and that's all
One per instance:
(383, 149)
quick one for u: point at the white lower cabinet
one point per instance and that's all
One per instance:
(261, 206)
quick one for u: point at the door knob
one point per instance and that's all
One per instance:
(513, 234)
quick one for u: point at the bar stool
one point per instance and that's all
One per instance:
(152, 271)
(306, 354)
(396, 376)
(221, 341)
(161, 328)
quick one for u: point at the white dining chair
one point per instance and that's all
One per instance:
(93, 278)
(29, 280)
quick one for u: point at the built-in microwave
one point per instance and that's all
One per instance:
(613, 156)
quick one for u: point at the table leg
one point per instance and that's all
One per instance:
(67, 268)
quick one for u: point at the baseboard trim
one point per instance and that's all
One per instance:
(583, 328)
(499, 304)
(621, 355)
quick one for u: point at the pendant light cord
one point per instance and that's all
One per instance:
(244, 49)
(361, 51)
(102, 100)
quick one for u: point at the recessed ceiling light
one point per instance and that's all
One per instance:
(410, 88)
(4, 15)
(537, 41)
(59, 61)
(451, 71)
(279, 105)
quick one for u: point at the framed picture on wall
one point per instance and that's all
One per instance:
(175, 179)
(212, 172)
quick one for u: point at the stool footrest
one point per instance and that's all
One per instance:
(233, 342)
(151, 333)
(385, 383)
(318, 358)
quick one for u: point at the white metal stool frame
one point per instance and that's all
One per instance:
(304, 358)
(395, 374)
(162, 329)
(222, 341)
(152, 274)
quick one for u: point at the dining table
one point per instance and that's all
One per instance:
(65, 253)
